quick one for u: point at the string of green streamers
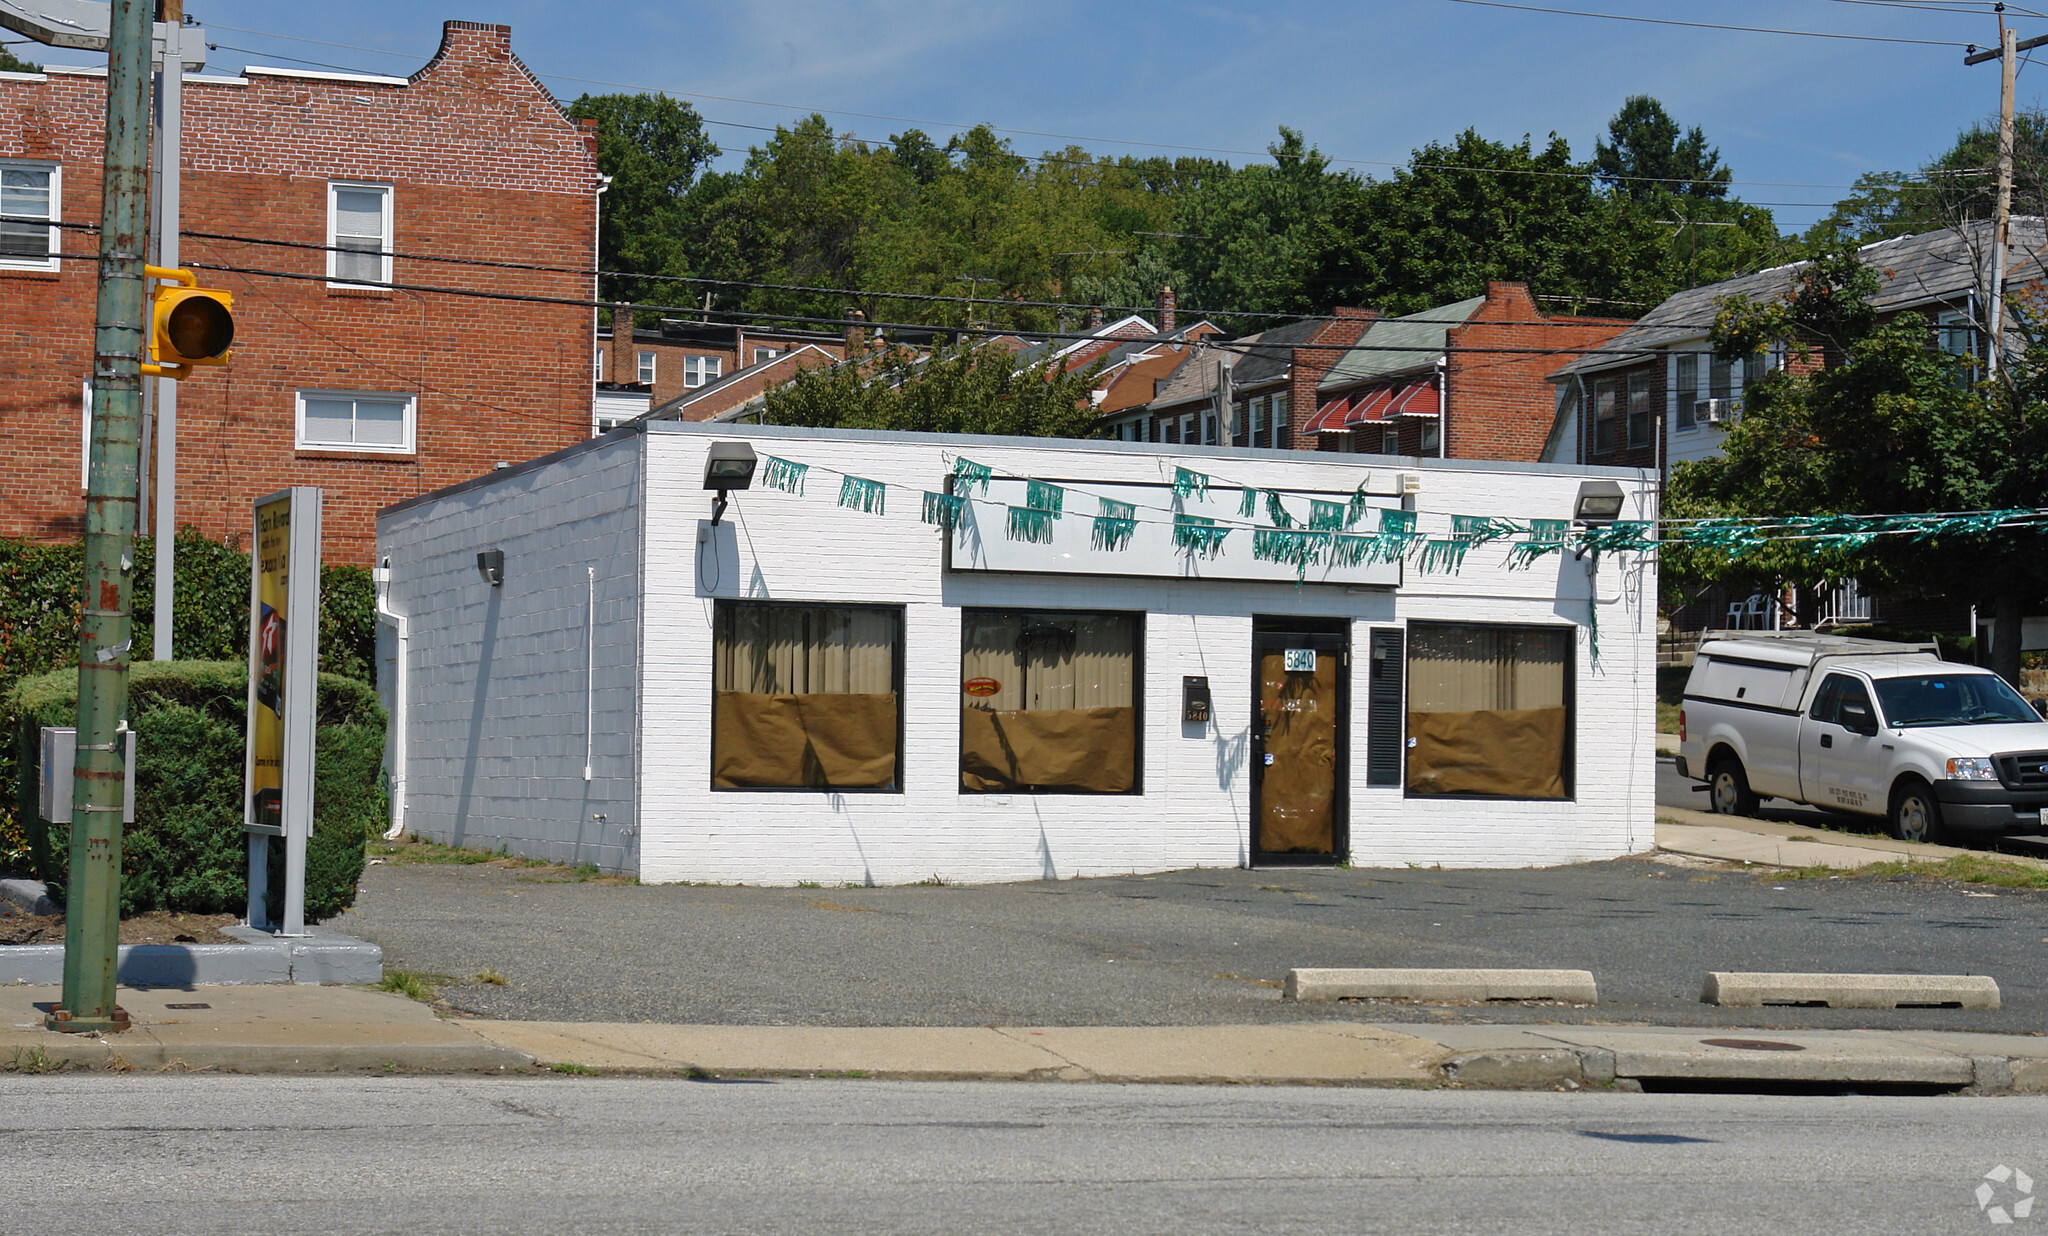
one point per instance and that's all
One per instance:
(1199, 535)
(1040, 496)
(1546, 536)
(1115, 522)
(860, 494)
(1631, 535)
(1031, 524)
(1297, 547)
(1325, 516)
(1357, 508)
(1396, 535)
(1350, 550)
(1247, 502)
(1276, 511)
(972, 473)
(1479, 529)
(784, 474)
(1442, 556)
(1190, 484)
(944, 509)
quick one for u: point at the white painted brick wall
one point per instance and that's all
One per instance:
(1195, 808)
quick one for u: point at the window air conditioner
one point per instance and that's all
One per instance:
(1720, 411)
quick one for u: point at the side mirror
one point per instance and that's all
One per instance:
(1855, 716)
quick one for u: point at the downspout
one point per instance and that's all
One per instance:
(1443, 409)
(381, 577)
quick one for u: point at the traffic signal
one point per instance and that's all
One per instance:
(188, 324)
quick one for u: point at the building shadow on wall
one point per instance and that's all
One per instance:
(480, 699)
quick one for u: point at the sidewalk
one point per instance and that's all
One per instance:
(308, 1029)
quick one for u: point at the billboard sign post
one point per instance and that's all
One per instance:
(284, 660)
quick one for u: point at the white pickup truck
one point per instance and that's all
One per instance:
(1864, 727)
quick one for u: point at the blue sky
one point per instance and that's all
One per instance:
(1366, 80)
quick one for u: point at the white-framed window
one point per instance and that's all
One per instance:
(597, 365)
(1209, 429)
(646, 369)
(29, 192)
(768, 354)
(368, 421)
(697, 370)
(1432, 437)
(1390, 441)
(358, 233)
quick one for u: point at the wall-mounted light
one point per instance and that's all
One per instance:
(727, 466)
(491, 565)
(1599, 502)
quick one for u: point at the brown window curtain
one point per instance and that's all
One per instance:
(1048, 702)
(1488, 710)
(804, 697)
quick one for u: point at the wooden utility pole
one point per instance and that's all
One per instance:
(2009, 48)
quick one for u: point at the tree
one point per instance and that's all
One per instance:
(969, 388)
(1959, 184)
(653, 148)
(11, 63)
(1885, 424)
(1647, 158)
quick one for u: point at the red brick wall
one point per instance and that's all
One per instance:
(1501, 404)
(483, 165)
(1313, 362)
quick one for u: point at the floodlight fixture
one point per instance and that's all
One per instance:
(1599, 502)
(727, 466)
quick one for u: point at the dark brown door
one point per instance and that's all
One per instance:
(1298, 756)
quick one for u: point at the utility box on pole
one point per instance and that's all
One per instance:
(53, 780)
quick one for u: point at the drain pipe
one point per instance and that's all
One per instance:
(381, 576)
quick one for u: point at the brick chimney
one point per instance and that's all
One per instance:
(1166, 307)
(1094, 318)
(856, 333)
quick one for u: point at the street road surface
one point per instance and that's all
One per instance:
(423, 1156)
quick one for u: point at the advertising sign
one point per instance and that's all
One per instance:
(284, 626)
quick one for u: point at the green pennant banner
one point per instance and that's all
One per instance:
(1115, 522)
(1325, 516)
(1247, 502)
(944, 509)
(1479, 529)
(1050, 499)
(1199, 535)
(1189, 484)
(1442, 557)
(1277, 512)
(860, 494)
(1357, 508)
(1030, 524)
(971, 473)
(784, 474)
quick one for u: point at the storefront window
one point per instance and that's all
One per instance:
(1489, 711)
(806, 697)
(1048, 702)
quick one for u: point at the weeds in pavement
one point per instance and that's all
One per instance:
(808, 884)
(495, 979)
(411, 984)
(34, 1060)
(566, 1066)
(414, 850)
(932, 882)
(1962, 868)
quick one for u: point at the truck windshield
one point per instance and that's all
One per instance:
(1951, 699)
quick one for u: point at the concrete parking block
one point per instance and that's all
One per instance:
(1851, 991)
(1566, 986)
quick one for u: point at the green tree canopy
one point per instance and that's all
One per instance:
(11, 63)
(653, 148)
(1646, 157)
(1889, 424)
(968, 388)
(1959, 184)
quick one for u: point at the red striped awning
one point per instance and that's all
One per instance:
(1329, 418)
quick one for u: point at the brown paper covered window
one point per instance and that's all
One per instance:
(805, 697)
(1489, 710)
(1048, 702)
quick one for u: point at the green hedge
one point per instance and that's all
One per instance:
(186, 849)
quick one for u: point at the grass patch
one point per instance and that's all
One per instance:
(34, 1060)
(1667, 718)
(492, 977)
(414, 850)
(567, 1066)
(1961, 869)
(411, 984)
(808, 884)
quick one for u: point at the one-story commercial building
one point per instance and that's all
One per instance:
(773, 655)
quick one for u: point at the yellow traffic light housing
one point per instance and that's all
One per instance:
(188, 325)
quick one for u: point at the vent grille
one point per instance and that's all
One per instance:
(2023, 770)
(1383, 718)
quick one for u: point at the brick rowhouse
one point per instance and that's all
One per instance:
(476, 161)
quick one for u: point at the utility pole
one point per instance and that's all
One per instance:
(93, 901)
(2009, 48)
(170, 97)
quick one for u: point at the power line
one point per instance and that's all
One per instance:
(1708, 25)
(1105, 141)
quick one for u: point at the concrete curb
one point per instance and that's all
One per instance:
(1851, 991)
(1564, 986)
(322, 957)
(30, 895)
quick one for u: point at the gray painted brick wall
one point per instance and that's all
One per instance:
(496, 722)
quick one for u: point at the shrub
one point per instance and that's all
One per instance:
(186, 849)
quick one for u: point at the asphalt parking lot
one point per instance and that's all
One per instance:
(1185, 948)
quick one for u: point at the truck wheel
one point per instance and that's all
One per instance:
(1916, 813)
(1728, 788)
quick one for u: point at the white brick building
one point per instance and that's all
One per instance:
(811, 692)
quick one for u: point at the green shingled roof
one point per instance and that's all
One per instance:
(1415, 342)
